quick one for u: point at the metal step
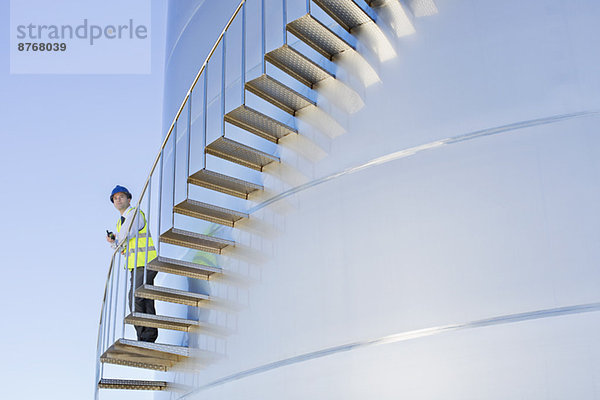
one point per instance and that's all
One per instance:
(278, 94)
(223, 183)
(183, 268)
(209, 212)
(146, 355)
(176, 324)
(160, 322)
(258, 123)
(318, 36)
(132, 384)
(194, 240)
(345, 12)
(171, 295)
(238, 153)
(298, 66)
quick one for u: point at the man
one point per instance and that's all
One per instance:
(121, 198)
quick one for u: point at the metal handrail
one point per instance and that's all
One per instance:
(150, 174)
(185, 100)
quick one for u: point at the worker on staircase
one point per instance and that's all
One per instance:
(121, 198)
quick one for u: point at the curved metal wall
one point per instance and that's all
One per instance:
(462, 198)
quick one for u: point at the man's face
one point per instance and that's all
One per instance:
(121, 201)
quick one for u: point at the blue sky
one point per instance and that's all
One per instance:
(65, 144)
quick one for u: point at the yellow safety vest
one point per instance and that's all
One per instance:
(141, 255)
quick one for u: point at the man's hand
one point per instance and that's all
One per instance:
(110, 237)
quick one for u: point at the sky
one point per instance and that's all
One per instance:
(66, 142)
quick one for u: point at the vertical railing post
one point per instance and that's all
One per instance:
(110, 302)
(124, 295)
(116, 301)
(160, 184)
(135, 258)
(174, 170)
(103, 329)
(104, 340)
(204, 117)
(100, 368)
(263, 35)
(223, 63)
(189, 147)
(284, 21)
(148, 227)
(243, 79)
(102, 323)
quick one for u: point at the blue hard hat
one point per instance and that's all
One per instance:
(119, 189)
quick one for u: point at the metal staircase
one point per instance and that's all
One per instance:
(138, 354)
(173, 323)
(224, 183)
(328, 39)
(298, 66)
(183, 268)
(279, 95)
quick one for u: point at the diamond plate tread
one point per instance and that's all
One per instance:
(297, 65)
(171, 295)
(193, 240)
(318, 36)
(161, 322)
(183, 268)
(209, 212)
(278, 94)
(128, 384)
(133, 353)
(131, 361)
(258, 123)
(168, 350)
(223, 183)
(177, 324)
(238, 153)
(345, 12)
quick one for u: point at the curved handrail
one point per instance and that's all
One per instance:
(185, 100)
(154, 164)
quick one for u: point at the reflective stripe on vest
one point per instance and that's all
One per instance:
(141, 244)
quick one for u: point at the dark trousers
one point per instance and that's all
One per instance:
(146, 306)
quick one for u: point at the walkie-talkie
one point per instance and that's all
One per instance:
(110, 235)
